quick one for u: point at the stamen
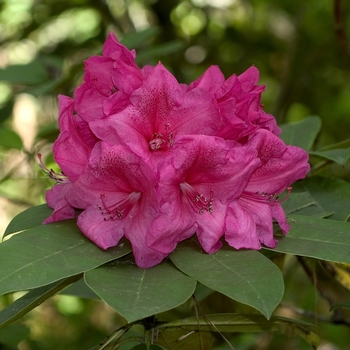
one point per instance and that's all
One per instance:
(197, 200)
(58, 177)
(274, 197)
(119, 210)
(156, 142)
(289, 189)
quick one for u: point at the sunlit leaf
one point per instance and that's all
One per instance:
(29, 218)
(318, 238)
(48, 253)
(303, 133)
(245, 276)
(10, 139)
(339, 156)
(138, 293)
(32, 299)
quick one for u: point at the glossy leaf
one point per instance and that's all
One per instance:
(318, 238)
(239, 323)
(339, 156)
(302, 203)
(302, 134)
(29, 218)
(330, 194)
(138, 293)
(48, 253)
(31, 300)
(80, 289)
(10, 139)
(245, 276)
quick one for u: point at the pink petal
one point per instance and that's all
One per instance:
(284, 164)
(240, 228)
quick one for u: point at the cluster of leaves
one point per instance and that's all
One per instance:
(45, 259)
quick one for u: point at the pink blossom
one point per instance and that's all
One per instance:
(146, 158)
(196, 183)
(238, 99)
(249, 220)
(108, 81)
(117, 193)
(159, 111)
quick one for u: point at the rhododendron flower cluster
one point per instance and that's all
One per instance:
(155, 161)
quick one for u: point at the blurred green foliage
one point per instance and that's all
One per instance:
(300, 48)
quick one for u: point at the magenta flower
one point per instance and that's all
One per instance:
(238, 99)
(197, 182)
(249, 220)
(159, 111)
(108, 81)
(146, 158)
(117, 193)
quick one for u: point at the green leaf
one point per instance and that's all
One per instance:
(10, 139)
(31, 300)
(302, 203)
(31, 73)
(318, 238)
(29, 218)
(245, 276)
(339, 156)
(80, 289)
(302, 134)
(330, 194)
(239, 323)
(48, 253)
(13, 335)
(345, 305)
(138, 293)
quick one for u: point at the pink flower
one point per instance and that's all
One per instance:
(196, 184)
(108, 81)
(146, 158)
(117, 192)
(250, 218)
(238, 99)
(159, 111)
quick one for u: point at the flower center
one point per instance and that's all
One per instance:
(196, 199)
(158, 140)
(121, 209)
